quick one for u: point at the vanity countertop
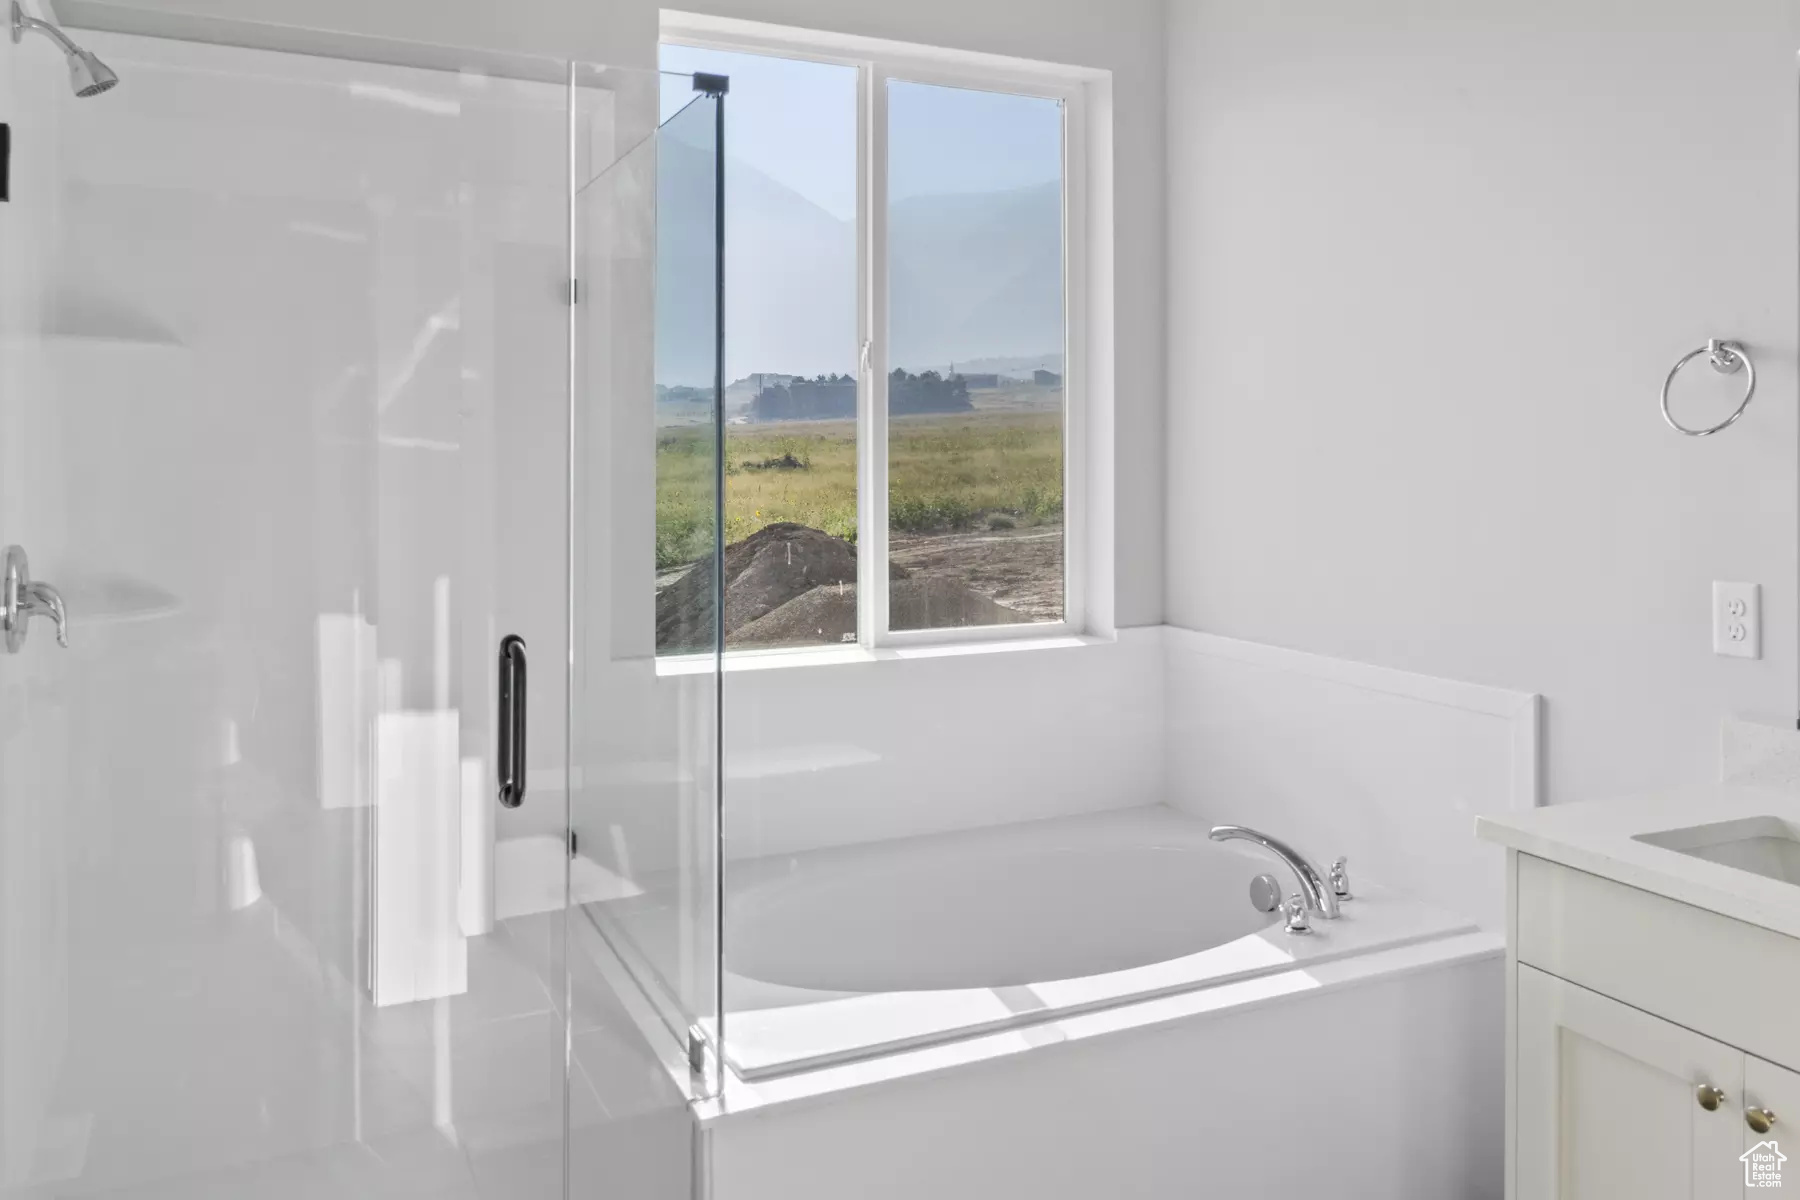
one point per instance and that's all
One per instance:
(1599, 837)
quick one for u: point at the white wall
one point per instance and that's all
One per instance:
(1427, 269)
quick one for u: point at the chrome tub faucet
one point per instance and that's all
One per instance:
(1319, 896)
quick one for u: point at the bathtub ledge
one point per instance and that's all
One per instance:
(741, 1098)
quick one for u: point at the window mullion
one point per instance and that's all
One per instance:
(872, 407)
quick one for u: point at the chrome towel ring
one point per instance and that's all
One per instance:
(1727, 358)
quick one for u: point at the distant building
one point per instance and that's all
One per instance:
(979, 381)
(1046, 378)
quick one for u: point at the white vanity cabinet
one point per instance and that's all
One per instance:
(1654, 1043)
(1614, 1102)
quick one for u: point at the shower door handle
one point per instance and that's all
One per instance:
(511, 731)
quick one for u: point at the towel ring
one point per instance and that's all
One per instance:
(1727, 358)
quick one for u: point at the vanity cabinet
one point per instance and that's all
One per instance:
(1615, 1102)
(1653, 1043)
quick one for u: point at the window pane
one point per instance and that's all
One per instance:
(790, 364)
(975, 333)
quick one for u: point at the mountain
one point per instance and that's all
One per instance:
(975, 276)
(972, 275)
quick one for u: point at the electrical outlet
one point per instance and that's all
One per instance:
(1737, 619)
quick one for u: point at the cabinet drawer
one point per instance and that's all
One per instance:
(1727, 979)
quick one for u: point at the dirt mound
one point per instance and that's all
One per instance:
(763, 572)
(790, 584)
(825, 614)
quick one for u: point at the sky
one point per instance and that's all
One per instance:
(796, 122)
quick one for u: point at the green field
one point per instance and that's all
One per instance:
(999, 468)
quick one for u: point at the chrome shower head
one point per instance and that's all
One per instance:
(88, 76)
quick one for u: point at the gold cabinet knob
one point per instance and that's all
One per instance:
(1759, 1119)
(1709, 1097)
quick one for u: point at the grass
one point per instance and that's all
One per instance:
(945, 472)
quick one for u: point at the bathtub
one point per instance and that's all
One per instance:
(1088, 1007)
(858, 951)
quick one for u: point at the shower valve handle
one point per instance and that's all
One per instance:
(21, 599)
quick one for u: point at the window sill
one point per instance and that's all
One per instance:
(831, 656)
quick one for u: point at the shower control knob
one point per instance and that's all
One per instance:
(1297, 919)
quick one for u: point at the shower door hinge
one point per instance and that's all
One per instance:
(573, 844)
(574, 293)
(703, 1063)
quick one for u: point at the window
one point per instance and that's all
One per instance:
(974, 356)
(900, 385)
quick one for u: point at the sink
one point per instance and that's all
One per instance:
(1766, 846)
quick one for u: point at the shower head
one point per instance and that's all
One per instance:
(88, 76)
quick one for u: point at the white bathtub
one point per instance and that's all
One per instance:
(1086, 1007)
(845, 953)
(990, 909)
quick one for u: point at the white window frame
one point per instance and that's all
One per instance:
(1085, 95)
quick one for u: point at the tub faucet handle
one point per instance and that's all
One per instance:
(1298, 919)
(1339, 879)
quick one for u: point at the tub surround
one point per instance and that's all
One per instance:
(1117, 1102)
(1113, 1102)
(1388, 767)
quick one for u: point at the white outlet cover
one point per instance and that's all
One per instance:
(1737, 619)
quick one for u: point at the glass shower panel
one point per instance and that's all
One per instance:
(284, 414)
(645, 809)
